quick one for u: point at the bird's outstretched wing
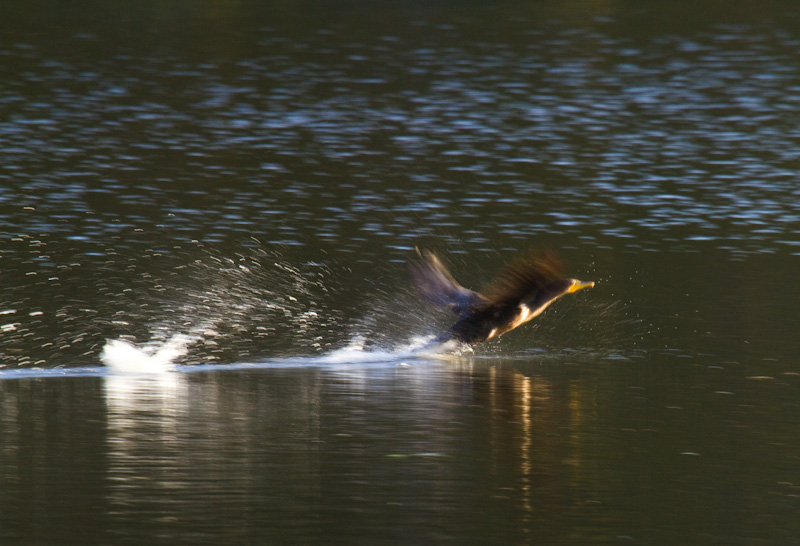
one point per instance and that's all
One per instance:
(523, 276)
(436, 285)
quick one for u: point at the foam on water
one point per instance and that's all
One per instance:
(357, 352)
(224, 309)
(155, 357)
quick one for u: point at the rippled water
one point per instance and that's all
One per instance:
(256, 177)
(588, 131)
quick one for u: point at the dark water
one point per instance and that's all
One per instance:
(256, 175)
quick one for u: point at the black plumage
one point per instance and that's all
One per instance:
(520, 292)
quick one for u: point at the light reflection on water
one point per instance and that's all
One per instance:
(348, 153)
(473, 449)
(671, 141)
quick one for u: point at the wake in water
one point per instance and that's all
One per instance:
(258, 306)
(418, 347)
(121, 356)
(218, 309)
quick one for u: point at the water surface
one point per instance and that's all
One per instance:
(257, 176)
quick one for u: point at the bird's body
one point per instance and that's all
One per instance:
(521, 291)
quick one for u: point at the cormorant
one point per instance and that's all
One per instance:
(522, 290)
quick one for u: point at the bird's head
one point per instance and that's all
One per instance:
(554, 290)
(562, 287)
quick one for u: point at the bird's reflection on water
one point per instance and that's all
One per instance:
(499, 447)
(302, 438)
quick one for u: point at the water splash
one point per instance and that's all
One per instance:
(225, 309)
(155, 357)
(358, 352)
(158, 357)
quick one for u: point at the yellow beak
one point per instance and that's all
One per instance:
(580, 285)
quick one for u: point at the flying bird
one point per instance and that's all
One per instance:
(520, 292)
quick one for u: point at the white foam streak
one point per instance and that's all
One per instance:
(124, 357)
(356, 352)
